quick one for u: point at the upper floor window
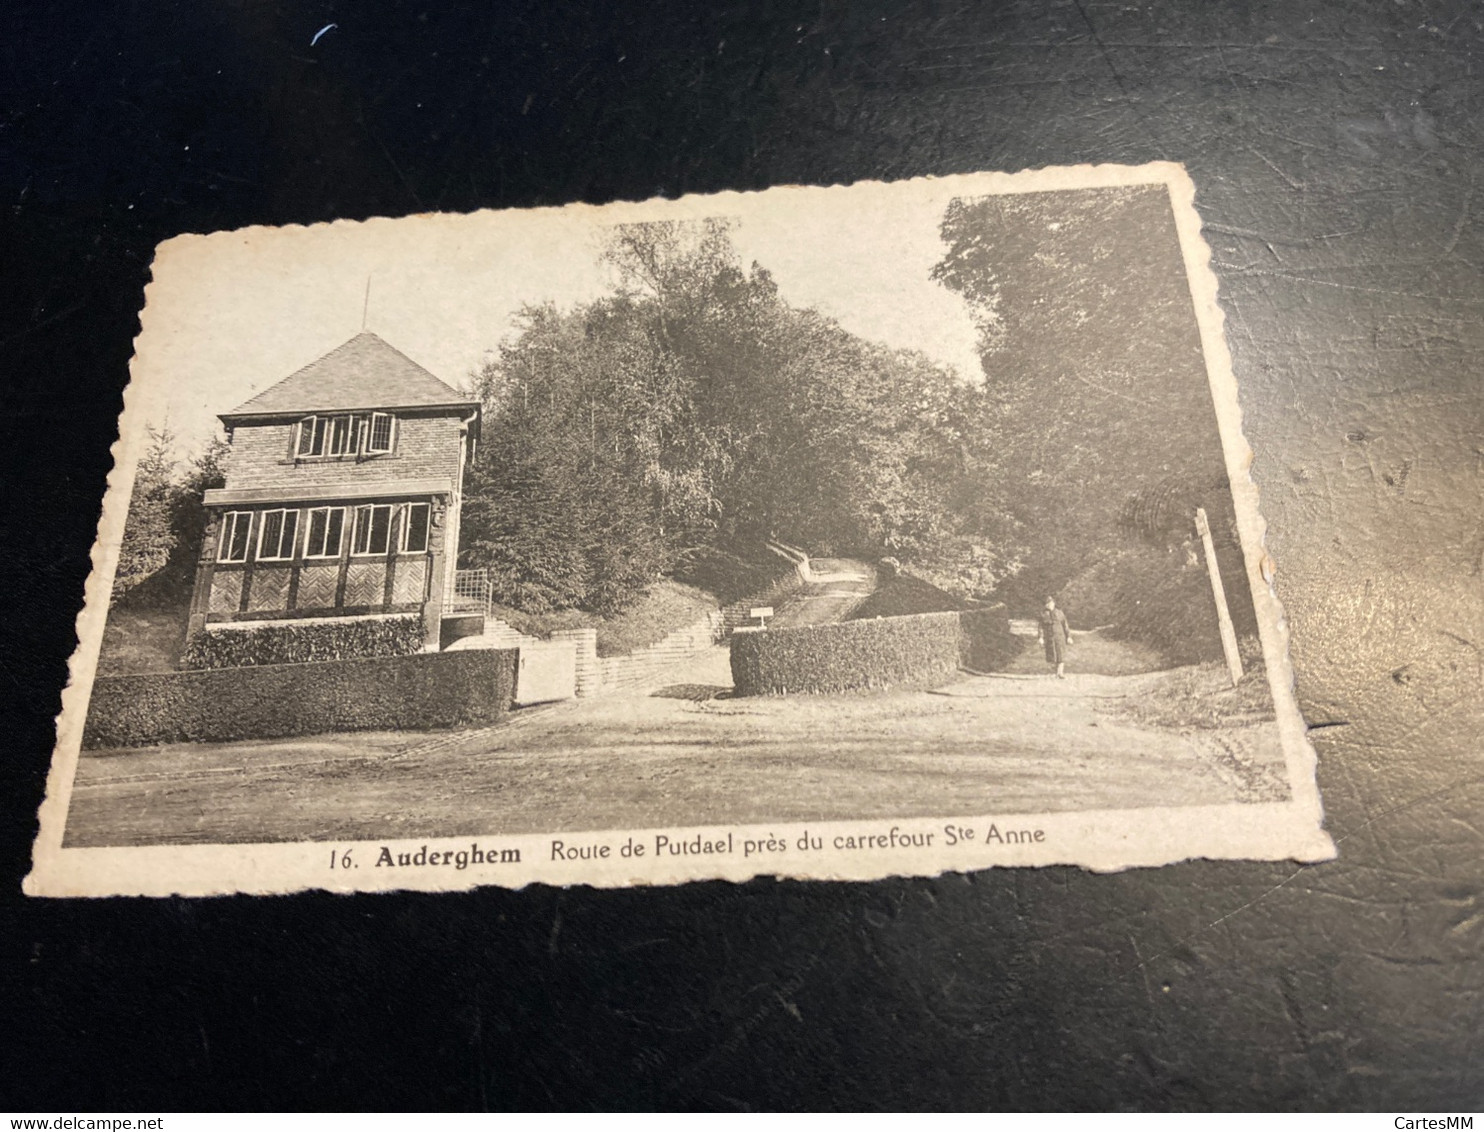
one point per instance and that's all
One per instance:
(379, 430)
(373, 529)
(236, 526)
(312, 436)
(277, 534)
(346, 434)
(415, 528)
(326, 529)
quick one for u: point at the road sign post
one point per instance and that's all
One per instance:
(762, 613)
(1223, 613)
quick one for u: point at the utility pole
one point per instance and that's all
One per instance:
(1223, 614)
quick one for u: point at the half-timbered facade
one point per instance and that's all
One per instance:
(342, 496)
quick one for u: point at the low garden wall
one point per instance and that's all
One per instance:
(879, 653)
(421, 692)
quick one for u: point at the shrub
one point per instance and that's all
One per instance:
(985, 642)
(1156, 596)
(846, 656)
(900, 594)
(282, 642)
(880, 653)
(408, 693)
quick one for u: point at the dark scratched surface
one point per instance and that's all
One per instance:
(1336, 152)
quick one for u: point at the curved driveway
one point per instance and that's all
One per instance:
(836, 587)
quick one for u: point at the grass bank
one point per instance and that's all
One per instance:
(140, 641)
(1200, 697)
(902, 595)
(667, 605)
(703, 581)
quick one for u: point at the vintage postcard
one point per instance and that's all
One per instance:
(829, 533)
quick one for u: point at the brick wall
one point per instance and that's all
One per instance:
(427, 447)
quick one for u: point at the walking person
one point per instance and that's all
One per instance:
(1056, 635)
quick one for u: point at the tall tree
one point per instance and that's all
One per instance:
(166, 521)
(1094, 363)
(148, 537)
(696, 409)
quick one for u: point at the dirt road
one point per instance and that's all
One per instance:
(679, 755)
(682, 752)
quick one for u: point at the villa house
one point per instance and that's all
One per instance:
(342, 496)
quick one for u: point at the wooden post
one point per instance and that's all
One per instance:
(205, 568)
(439, 553)
(1223, 614)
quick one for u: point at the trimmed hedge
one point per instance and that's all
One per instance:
(844, 656)
(284, 642)
(851, 655)
(407, 693)
(986, 643)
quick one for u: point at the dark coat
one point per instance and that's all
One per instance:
(1055, 635)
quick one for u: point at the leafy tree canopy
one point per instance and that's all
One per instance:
(166, 519)
(696, 409)
(1087, 333)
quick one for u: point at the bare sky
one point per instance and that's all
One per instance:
(232, 313)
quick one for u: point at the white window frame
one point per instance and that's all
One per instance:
(407, 509)
(310, 429)
(286, 541)
(355, 535)
(230, 522)
(349, 441)
(337, 435)
(309, 533)
(369, 434)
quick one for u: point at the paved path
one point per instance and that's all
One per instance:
(1091, 652)
(838, 586)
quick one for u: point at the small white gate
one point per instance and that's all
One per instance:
(546, 672)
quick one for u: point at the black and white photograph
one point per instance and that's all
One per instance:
(833, 532)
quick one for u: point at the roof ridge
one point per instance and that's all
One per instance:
(401, 354)
(363, 372)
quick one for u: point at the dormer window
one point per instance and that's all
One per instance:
(379, 434)
(312, 436)
(345, 434)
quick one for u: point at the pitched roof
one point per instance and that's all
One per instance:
(364, 373)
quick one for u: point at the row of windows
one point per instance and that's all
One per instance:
(350, 434)
(324, 533)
